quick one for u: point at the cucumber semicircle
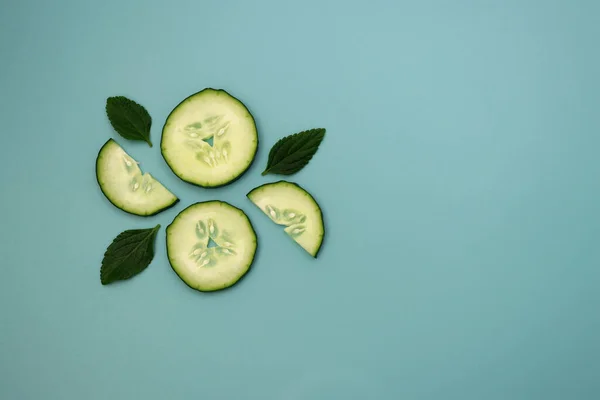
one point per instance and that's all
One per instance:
(290, 205)
(205, 268)
(210, 114)
(126, 187)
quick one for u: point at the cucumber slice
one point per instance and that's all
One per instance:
(211, 268)
(209, 114)
(123, 183)
(290, 205)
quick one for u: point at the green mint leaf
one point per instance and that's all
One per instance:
(290, 154)
(128, 255)
(129, 119)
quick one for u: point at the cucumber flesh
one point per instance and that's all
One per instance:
(125, 186)
(290, 205)
(204, 116)
(207, 268)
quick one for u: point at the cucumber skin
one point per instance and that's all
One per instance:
(253, 156)
(114, 204)
(251, 260)
(310, 195)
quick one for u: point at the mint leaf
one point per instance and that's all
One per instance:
(128, 255)
(290, 154)
(129, 119)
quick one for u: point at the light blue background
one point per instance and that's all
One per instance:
(459, 178)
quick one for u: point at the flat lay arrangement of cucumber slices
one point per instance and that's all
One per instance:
(210, 140)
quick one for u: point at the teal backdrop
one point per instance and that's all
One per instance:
(459, 179)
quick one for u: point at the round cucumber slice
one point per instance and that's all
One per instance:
(209, 115)
(290, 205)
(208, 268)
(123, 183)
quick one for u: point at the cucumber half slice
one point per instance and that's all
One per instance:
(211, 268)
(215, 115)
(290, 205)
(123, 183)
